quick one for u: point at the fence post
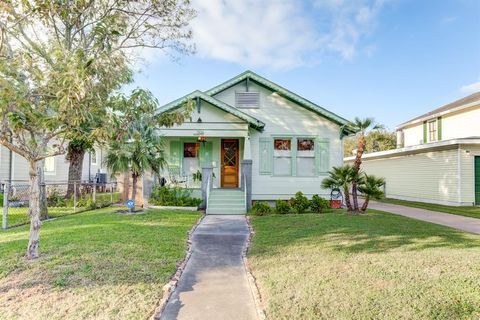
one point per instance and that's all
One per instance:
(111, 192)
(6, 189)
(74, 196)
(94, 194)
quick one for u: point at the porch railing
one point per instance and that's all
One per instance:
(209, 183)
(244, 179)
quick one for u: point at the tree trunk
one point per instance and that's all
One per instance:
(43, 190)
(355, 196)
(365, 204)
(34, 212)
(134, 189)
(347, 199)
(75, 157)
(360, 149)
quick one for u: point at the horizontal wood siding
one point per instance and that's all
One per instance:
(428, 176)
(284, 118)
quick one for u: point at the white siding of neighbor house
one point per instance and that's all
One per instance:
(428, 176)
(455, 125)
(462, 124)
(467, 173)
(284, 118)
(20, 167)
(413, 136)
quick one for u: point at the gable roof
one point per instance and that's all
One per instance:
(255, 123)
(463, 103)
(252, 76)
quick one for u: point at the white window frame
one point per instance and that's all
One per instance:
(54, 165)
(311, 155)
(290, 156)
(429, 132)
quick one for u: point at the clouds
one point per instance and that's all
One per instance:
(471, 88)
(282, 33)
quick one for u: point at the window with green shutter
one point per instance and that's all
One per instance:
(323, 155)
(265, 156)
(205, 154)
(175, 158)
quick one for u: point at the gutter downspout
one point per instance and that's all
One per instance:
(10, 165)
(89, 167)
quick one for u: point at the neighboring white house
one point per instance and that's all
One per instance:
(251, 128)
(437, 159)
(14, 167)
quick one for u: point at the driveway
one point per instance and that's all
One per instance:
(450, 220)
(214, 284)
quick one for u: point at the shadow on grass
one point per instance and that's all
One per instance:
(98, 248)
(374, 232)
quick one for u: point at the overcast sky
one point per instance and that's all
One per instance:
(387, 59)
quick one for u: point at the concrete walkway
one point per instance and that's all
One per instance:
(450, 220)
(214, 284)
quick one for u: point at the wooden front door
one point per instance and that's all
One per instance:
(230, 163)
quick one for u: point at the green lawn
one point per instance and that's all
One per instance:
(94, 265)
(471, 211)
(374, 266)
(18, 216)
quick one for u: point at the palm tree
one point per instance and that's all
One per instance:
(340, 177)
(362, 126)
(371, 189)
(140, 150)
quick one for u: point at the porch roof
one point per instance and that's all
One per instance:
(252, 121)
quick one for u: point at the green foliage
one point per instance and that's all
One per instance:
(319, 204)
(55, 198)
(261, 208)
(1, 199)
(164, 196)
(299, 203)
(376, 140)
(371, 186)
(282, 206)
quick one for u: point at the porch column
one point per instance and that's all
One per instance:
(206, 172)
(247, 180)
(247, 151)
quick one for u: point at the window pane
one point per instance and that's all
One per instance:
(49, 164)
(305, 145)
(190, 150)
(305, 166)
(282, 166)
(282, 144)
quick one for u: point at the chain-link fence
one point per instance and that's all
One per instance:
(60, 199)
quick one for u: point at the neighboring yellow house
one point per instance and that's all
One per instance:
(437, 159)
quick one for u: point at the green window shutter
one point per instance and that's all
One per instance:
(322, 155)
(424, 131)
(265, 156)
(205, 154)
(175, 153)
(439, 128)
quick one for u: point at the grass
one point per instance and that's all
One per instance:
(94, 265)
(374, 266)
(19, 216)
(472, 211)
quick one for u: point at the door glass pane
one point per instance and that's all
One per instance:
(229, 157)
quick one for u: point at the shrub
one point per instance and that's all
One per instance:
(299, 203)
(261, 208)
(319, 204)
(55, 198)
(164, 196)
(282, 207)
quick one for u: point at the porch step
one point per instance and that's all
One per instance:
(226, 201)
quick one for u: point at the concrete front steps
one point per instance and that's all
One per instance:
(226, 201)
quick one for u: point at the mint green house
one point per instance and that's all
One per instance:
(252, 140)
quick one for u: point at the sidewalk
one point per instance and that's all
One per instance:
(214, 284)
(450, 220)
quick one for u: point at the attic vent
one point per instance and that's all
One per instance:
(247, 99)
